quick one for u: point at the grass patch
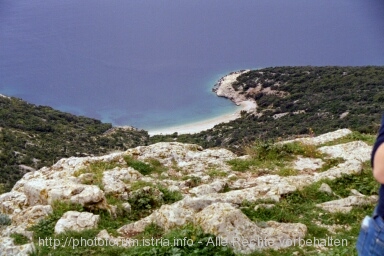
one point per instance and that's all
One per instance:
(19, 239)
(146, 197)
(141, 184)
(354, 136)
(170, 197)
(193, 181)
(153, 165)
(300, 207)
(217, 173)
(331, 162)
(225, 189)
(139, 166)
(186, 240)
(273, 156)
(45, 227)
(96, 169)
(241, 165)
(363, 182)
(287, 172)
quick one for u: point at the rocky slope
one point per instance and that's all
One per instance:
(212, 192)
(34, 136)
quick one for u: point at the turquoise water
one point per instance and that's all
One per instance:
(152, 64)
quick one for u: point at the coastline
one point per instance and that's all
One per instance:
(223, 88)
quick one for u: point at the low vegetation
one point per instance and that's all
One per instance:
(153, 165)
(35, 136)
(329, 98)
(300, 206)
(271, 157)
(4, 220)
(316, 100)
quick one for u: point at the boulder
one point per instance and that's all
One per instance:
(31, 215)
(244, 236)
(76, 221)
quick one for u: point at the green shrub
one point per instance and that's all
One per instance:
(5, 220)
(193, 181)
(19, 239)
(144, 200)
(97, 170)
(139, 166)
(170, 197)
(241, 165)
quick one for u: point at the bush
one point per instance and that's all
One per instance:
(139, 166)
(19, 239)
(144, 200)
(5, 220)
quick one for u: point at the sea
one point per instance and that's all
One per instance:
(152, 63)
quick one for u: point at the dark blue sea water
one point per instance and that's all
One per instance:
(153, 63)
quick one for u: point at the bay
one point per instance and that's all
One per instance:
(152, 64)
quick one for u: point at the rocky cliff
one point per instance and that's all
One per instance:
(171, 185)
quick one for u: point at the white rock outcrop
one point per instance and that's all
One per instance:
(187, 169)
(76, 221)
(115, 181)
(231, 225)
(346, 204)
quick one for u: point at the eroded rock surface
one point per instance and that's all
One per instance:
(76, 221)
(203, 176)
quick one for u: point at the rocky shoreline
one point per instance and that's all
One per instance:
(223, 88)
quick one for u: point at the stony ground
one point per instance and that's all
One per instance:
(171, 185)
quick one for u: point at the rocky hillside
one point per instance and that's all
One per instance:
(295, 101)
(35, 136)
(298, 197)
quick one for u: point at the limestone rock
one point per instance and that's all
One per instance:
(189, 157)
(127, 207)
(41, 191)
(345, 204)
(7, 247)
(266, 206)
(12, 202)
(224, 88)
(76, 221)
(218, 213)
(324, 138)
(213, 187)
(232, 226)
(114, 181)
(326, 188)
(356, 150)
(32, 215)
(304, 163)
(168, 216)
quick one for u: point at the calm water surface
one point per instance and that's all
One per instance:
(152, 64)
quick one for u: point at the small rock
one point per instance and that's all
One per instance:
(354, 192)
(326, 188)
(127, 207)
(266, 206)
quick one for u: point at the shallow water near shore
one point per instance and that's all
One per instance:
(152, 64)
